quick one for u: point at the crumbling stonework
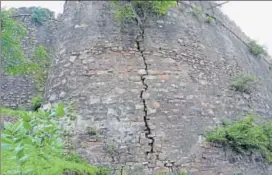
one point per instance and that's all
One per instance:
(17, 91)
(144, 106)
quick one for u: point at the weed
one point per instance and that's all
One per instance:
(243, 82)
(93, 131)
(209, 19)
(141, 9)
(170, 173)
(11, 112)
(102, 171)
(36, 102)
(256, 49)
(33, 145)
(245, 135)
(197, 11)
(40, 15)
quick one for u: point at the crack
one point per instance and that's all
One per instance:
(123, 170)
(148, 133)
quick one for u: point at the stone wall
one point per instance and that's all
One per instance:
(17, 91)
(144, 106)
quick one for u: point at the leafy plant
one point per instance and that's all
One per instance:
(257, 49)
(40, 15)
(33, 145)
(270, 67)
(102, 171)
(172, 173)
(11, 112)
(141, 10)
(197, 11)
(209, 19)
(245, 135)
(42, 60)
(36, 102)
(11, 53)
(243, 82)
(93, 131)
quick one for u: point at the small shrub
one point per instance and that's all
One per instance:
(36, 102)
(256, 49)
(12, 55)
(172, 173)
(209, 19)
(42, 59)
(243, 82)
(11, 112)
(270, 67)
(34, 145)
(197, 11)
(40, 15)
(141, 9)
(245, 135)
(102, 171)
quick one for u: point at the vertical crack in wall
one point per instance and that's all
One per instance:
(148, 134)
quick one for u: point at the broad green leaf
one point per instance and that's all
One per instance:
(28, 171)
(27, 141)
(60, 110)
(25, 117)
(7, 125)
(24, 158)
(6, 147)
(17, 126)
(26, 125)
(19, 148)
(5, 135)
(14, 172)
(20, 154)
(7, 140)
(17, 140)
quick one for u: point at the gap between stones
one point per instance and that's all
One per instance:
(148, 134)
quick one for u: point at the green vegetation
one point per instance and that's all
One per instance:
(33, 145)
(11, 53)
(170, 173)
(245, 135)
(36, 102)
(243, 82)
(141, 10)
(270, 67)
(256, 49)
(197, 11)
(40, 15)
(12, 113)
(209, 19)
(42, 60)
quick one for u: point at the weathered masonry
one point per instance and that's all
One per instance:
(144, 105)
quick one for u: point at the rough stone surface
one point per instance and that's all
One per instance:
(17, 91)
(147, 110)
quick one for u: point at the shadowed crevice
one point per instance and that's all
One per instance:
(148, 134)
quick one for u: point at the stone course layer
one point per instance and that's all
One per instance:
(144, 106)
